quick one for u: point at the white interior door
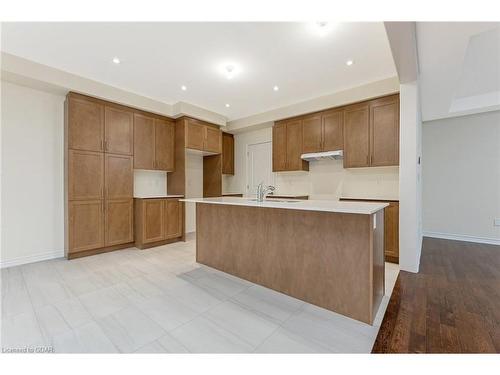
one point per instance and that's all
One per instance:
(259, 166)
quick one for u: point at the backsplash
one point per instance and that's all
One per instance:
(149, 183)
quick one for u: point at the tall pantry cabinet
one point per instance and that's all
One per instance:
(99, 153)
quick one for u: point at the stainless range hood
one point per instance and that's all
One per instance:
(332, 155)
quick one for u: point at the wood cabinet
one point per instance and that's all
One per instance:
(371, 133)
(203, 137)
(85, 124)
(154, 143)
(384, 131)
(287, 147)
(158, 221)
(144, 142)
(279, 147)
(173, 218)
(323, 131)
(118, 131)
(118, 221)
(391, 228)
(227, 153)
(119, 177)
(164, 145)
(357, 136)
(86, 226)
(85, 175)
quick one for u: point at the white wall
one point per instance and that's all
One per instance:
(194, 187)
(410, 182)
(325, 179)
(461, 177)
(32, 175)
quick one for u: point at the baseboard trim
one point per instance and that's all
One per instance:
(31, 258)
(462, 237)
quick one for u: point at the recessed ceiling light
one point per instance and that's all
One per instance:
(322, 28)
(116, 60)
(227, 105)
(229, 69)
(349, 62)
(276, 88)
(183, 88)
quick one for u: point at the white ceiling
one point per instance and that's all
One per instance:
(459, 68)
(158, 58)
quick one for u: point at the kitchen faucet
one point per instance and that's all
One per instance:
(262, 191)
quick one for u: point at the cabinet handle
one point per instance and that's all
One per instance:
(371, 158)
(102, 144)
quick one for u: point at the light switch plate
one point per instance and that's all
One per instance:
(496, 222)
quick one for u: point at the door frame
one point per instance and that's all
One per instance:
(247, 154)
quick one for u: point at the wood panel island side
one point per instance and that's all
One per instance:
(327, 253)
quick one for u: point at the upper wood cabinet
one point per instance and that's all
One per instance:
(85, 124)
(279, 147)
(119, 177)
(164, 145)
(144, 142)
(357, 136)
(312, 134)
(371, 133)
(384, 134)
(118, 131)
(154, 143)
(227, 153)
(333, 130)
(85, 175)
(287, 146)
(203, 136)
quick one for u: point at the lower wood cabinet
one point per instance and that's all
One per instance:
(118, 221)
(86, 225)
(157, 221)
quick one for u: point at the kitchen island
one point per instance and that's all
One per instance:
(327, 253)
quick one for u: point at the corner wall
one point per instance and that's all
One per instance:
(410, 182)
(461, 178)
(32, 160)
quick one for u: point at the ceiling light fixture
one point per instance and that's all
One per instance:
(276, 88)
(349, 62)
(183, 88)
(322, 28)
(227, 106)
(116, 60)
(229, 71)
(229, 68)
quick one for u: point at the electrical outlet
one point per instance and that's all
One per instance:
(496, 222)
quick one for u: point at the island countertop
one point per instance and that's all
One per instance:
(366, 208)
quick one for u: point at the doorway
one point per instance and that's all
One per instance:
(259, 166)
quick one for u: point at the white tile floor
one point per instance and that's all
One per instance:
(161, 301)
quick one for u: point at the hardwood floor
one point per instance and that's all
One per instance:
(451, 306)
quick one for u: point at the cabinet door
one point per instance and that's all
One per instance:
(85, 175)
(86, 226)
(294, 146)
(119, 180)
(356, 136)
(213, 140)
(279, 147)
(312, 134)
(391, 230)
(227, 153)
(333, 135)
(85, 125)
(144, 142)
(164, 145)
(118, 222)
(153, 216)
(173, 218)
(384, 135)
(195, 135)
(118, 131)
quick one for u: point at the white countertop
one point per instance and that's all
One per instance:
(366, 208)
(371, 197)
(158, 196)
